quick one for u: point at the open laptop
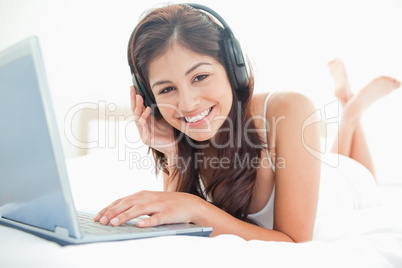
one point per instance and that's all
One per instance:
(35, 195)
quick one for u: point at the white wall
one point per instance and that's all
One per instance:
(290, 43)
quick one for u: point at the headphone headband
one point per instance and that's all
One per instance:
(236, 66)
(213, 13)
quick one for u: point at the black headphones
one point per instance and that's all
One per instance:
(236, 66)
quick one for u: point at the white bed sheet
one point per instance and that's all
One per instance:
(365, 238)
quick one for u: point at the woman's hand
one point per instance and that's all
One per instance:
(162, 207)
(156, 133)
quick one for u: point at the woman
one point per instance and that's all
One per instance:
(232, 160)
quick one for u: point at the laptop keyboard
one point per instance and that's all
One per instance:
(88, 225)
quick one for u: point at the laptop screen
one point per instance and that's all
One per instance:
(30, 190)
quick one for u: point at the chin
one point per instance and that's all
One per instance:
(200, 136)
(203, 135)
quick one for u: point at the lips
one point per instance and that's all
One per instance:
(192, 119)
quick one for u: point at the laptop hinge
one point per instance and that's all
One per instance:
(61, 231)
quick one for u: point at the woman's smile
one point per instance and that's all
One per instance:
(197, 118)
(192, 91)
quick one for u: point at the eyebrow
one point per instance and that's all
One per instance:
(196, 66)
(189, 71)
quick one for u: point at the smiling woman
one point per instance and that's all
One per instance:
(198, 89)
(186, 70)
(211, 136)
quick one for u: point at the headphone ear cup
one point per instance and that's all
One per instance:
(148, 97)
(236, 65)
(229, 64)
(240, 65)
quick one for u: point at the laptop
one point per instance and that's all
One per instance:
(35, 194)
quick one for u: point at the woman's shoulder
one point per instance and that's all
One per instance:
(280, 103)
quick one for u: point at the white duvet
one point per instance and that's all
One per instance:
(369, 238)
(365, 238)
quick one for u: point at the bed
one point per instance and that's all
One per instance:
(364, 238)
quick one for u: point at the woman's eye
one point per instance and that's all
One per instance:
(200, 77)
(166, 90)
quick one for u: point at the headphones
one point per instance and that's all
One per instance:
(236, 66)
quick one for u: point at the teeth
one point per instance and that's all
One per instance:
(196, 118)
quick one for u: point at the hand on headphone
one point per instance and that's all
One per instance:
(155, 133)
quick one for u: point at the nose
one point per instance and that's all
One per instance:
(189, 99)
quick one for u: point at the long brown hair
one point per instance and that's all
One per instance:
(230, 188)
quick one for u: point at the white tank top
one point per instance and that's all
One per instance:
(265, 217)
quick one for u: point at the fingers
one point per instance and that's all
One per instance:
(108, 213)
(132, 98)
(103, 211)
(141, 114)
(137, 104)
(132, 213)
(125, 209)
(163, 208)
(154, 220)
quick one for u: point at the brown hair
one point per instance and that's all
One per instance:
(230, 188)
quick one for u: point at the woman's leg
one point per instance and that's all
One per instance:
(351, 139)
(343, 92)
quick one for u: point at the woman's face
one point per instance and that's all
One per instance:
(192, 91)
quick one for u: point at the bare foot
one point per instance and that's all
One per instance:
(375, 90)
(342, 84)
